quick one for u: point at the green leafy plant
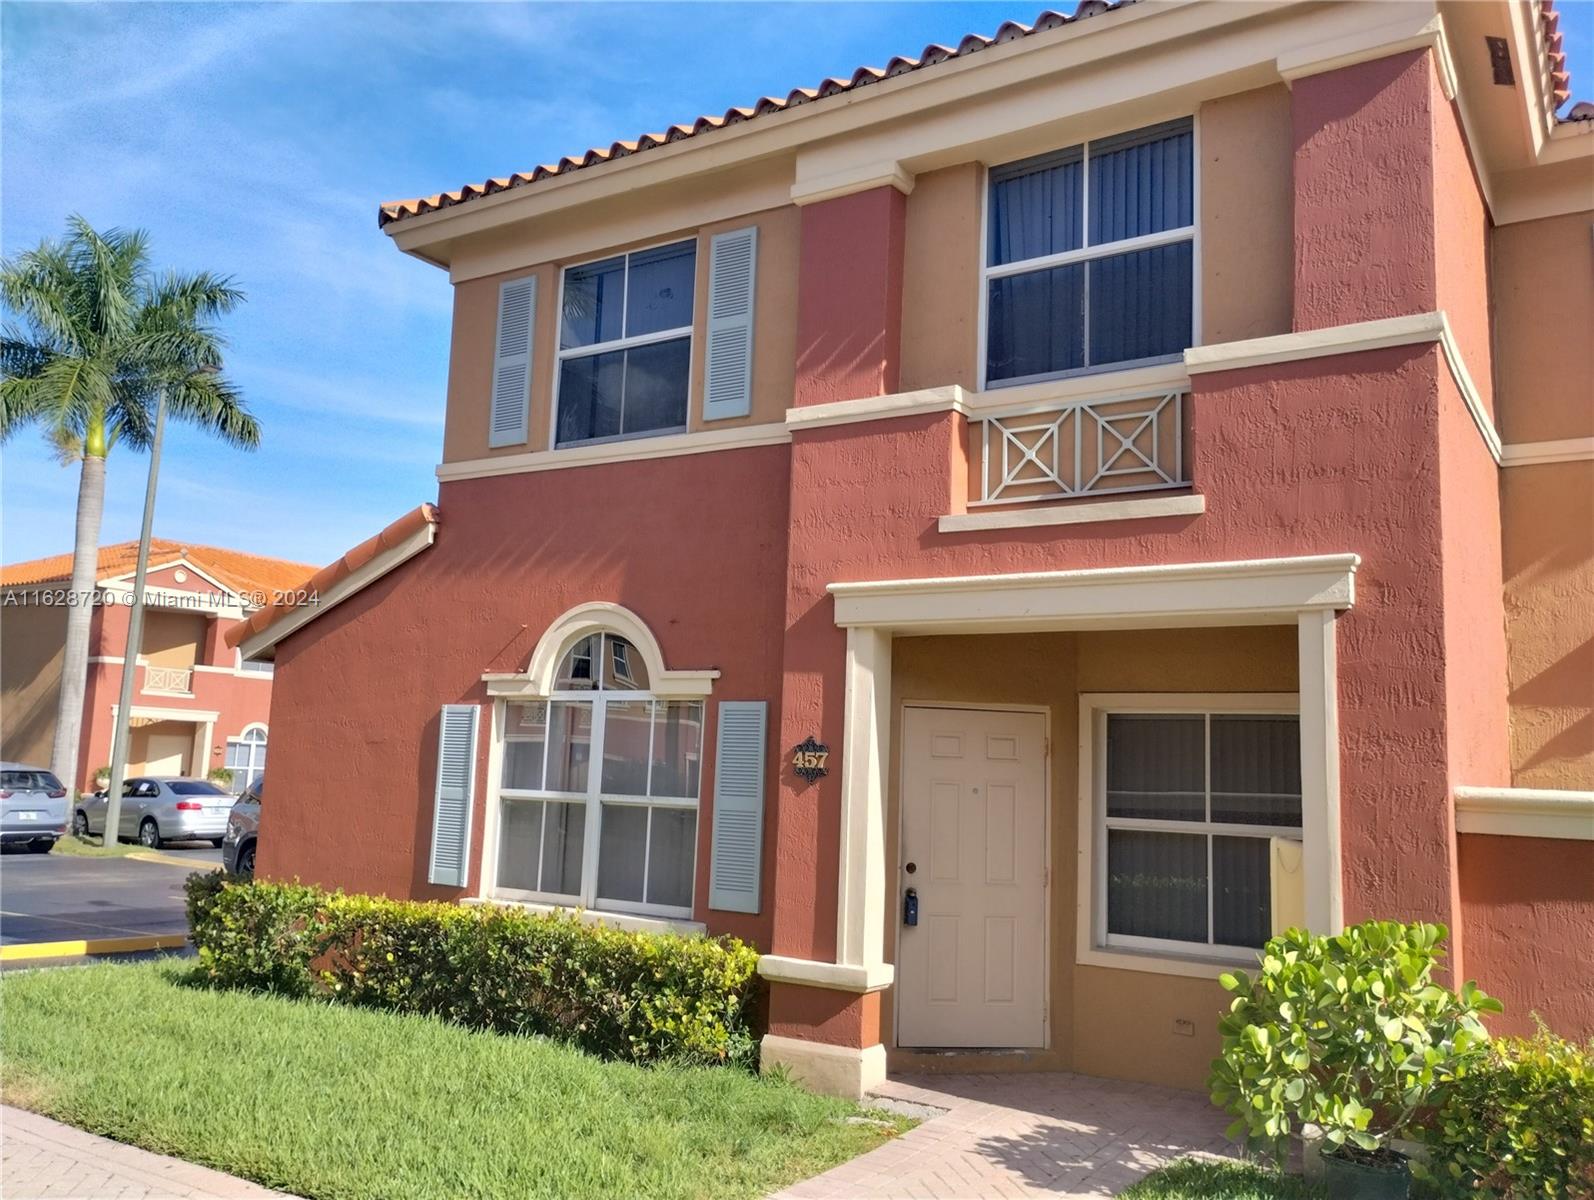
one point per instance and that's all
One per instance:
(220, 776)
(1519, 1125)
(1349, 1033)
(638, 996)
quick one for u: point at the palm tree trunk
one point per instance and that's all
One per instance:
(79, 619)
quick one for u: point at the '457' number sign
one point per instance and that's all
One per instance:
(809, 759)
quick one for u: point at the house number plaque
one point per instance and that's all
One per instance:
(808, 759)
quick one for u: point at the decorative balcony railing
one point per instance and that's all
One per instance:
(1084, 448)
(178, 680)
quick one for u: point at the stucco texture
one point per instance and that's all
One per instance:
(355, 725)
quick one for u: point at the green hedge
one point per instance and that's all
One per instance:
(639, 996)
(1519, 1126)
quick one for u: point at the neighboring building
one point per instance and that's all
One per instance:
(1151, 455)
(197, 704)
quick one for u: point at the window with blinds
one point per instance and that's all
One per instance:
(1191, 804)
(1090, 256)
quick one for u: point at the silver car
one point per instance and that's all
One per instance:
(158, 809)
(243, 829)
(32, 807)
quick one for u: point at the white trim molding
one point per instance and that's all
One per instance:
(832, 1070)
(1084, 513)
(1253, 592)
(669, 445)
(159, 713)
(951, 398)
(1534, 454)
(838, 977)
(1525, 812)
(1378, 41)
(1350, 339)
(600, 616)
(634, 922)
(862, 178)
(355, 581)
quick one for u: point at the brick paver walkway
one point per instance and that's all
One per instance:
(42, 1158)
(1025, 1135)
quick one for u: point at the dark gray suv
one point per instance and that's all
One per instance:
(243, 826)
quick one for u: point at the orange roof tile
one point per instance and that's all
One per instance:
(334, 573)
(242, 572)
(397, 210)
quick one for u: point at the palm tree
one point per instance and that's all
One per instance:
(104, 333)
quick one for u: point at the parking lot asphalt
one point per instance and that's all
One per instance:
(55, 898)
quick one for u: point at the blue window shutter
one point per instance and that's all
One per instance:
(732, 271)
(456, 785)
(517, 321)
(738, 806)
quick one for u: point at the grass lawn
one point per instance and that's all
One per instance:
(1195, 1179)
(91, 848)
(325, 1101)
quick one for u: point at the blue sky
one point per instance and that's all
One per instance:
(257, 140)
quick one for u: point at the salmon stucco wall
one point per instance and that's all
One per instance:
(1335, 455)
(1529, 905)
(1364, 192)
(356, 708)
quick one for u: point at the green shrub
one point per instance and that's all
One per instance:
(1349, 1033)
(1522, 1125)
(638, 996)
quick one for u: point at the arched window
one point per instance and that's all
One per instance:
(599, 786)
(246, 756)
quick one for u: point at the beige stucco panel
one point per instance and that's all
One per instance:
(1547, 519)
(941, 279)
(1543, 289)
(476, 329)
(1247, 218)
(32, 638)
(1102, 1020)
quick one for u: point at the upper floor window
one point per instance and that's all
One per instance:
(625, 344)
(1090, 256)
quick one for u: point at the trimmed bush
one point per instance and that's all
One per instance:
(1519, 1126)
(643, 997)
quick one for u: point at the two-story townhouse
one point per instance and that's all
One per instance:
(1005, 533)
(197, 703)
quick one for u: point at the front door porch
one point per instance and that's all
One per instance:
(1222, 653)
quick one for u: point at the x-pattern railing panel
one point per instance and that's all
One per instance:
(168, 679)
(1089, 448)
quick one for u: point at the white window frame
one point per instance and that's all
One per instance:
(623, 343)
(1187, 233)
(593, 797)
(1094, 946)
(241, 739)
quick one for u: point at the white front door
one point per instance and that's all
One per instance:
(972, 971)
(164, 753)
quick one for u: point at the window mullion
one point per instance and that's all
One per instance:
(594, 815)
(1206, 786)
(1084, 288)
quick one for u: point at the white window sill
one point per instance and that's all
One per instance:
(634, 922)
(1160, 964)
(1078, 512)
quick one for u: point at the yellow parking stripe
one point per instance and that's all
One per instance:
(120, 945)
(171, 860)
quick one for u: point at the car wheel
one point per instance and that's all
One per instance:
(42, 845)
(80, 824)
(149, 834)
(246, 861)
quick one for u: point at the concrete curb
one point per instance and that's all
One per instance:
(170, 860)
(25, 951)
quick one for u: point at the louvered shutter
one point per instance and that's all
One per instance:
(517, 316)
(456, 779)
(738, 806)
(732, 266)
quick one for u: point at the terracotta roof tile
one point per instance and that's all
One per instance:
(239, 571)
(1009, 31)
(334, 573)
